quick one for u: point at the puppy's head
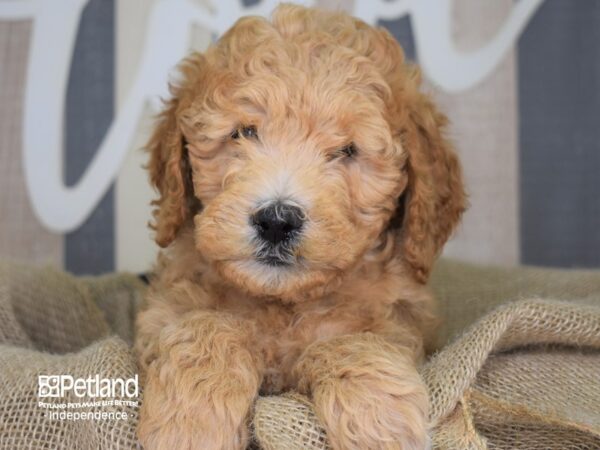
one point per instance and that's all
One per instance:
(297, 148)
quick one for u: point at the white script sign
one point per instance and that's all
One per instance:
(55, 24)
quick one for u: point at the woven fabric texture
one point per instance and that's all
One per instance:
(524, 374)
(52, 323)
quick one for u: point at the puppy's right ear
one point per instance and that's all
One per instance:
(169, 167)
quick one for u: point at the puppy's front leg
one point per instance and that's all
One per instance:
(200, 388)
(367, 393)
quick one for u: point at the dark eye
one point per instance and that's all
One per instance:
(248, 132)
(348, 151)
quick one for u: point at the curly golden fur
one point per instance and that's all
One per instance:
(268, 113)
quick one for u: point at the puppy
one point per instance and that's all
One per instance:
(305, 191)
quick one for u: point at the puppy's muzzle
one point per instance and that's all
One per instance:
(278, 223)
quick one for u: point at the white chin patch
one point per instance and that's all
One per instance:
(267, 274)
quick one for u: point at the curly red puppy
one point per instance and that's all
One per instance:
(305, 192)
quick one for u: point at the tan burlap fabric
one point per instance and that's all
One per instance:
(52, 323)
(521, 375)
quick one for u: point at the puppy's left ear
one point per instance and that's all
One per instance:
(434, 199)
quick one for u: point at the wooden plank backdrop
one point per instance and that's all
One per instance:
(527, 136)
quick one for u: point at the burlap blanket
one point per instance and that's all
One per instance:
(521, 375)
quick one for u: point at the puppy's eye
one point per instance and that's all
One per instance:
(248, 132)
(349, 151)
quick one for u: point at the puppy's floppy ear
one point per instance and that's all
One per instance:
(170, 171)
(434, 199)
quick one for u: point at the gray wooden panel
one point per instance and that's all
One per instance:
(559, 106)
(89, 112)
(401, 29)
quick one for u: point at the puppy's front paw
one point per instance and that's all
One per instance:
(367, 394)
(207, 421)
(200, 389)
(365, 414)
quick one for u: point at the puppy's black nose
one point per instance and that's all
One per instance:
(278, 222)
